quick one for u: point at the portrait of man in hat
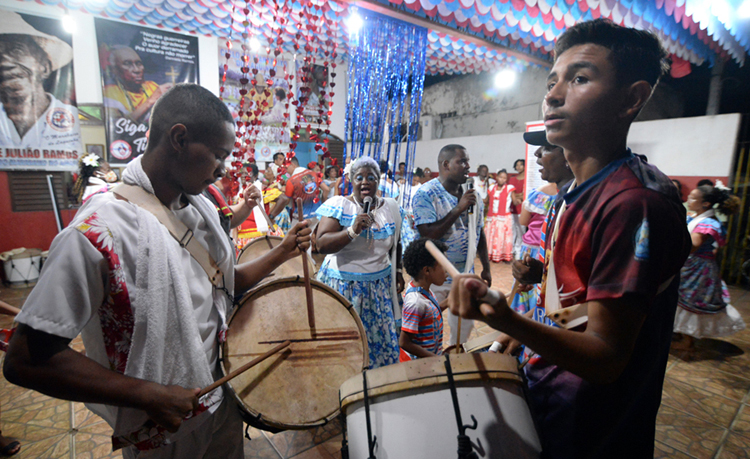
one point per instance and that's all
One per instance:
(30, 115)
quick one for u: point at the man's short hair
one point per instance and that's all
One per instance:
(449, 151)
(280, 94)
(401, 164)
(294, 160)
(202, 113)
(635, 54)
(252, 168)
(704, 182)
(416, 256)
(276, 155)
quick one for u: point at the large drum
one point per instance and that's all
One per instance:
(22, 266)
(298, 387)
(263, 245)
(411, 409)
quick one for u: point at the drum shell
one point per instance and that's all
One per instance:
(23, 268)
(321, 365)
(261, 246)
(411, 410)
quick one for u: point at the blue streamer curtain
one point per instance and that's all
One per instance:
(386, 82)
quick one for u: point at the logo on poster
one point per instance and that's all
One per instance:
(120, 149)
(60, 119)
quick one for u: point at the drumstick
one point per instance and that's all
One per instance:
(306, 270)
(440, 257)
(491, 296)
(265, 215)
(243, 368)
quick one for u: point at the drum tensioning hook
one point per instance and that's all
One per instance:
(464, 442)
(372, 440)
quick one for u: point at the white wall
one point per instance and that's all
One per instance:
(699, 146)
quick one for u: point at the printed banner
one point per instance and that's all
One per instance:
(266, 99)
(38, 116)
(138, 65)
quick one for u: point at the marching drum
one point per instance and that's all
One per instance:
(263, 245)
(22, 266)
(298, 387)
(411, 409)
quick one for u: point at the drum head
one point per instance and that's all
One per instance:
(263, 245)
(298, 387)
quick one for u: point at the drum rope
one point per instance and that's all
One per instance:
(464, 442)
(372, 440)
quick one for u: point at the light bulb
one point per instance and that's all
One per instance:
(68, 23)
(505, 79)
(354, 23)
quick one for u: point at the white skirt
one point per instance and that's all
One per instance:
(723, 323)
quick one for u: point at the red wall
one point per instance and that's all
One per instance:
(26, 229)
(689, 183)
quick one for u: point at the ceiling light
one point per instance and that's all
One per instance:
(68, 23)
(354, 23)
(254, 44)
(505, 79)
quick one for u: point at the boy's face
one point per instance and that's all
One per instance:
(436, 275)
(582, 97)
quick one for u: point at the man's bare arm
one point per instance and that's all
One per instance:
(598, 355)
(44, 362)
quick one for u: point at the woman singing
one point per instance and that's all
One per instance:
(362, 248)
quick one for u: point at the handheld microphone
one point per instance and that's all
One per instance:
(471, 187)
(367, 202)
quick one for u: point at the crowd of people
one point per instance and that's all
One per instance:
(605, 236)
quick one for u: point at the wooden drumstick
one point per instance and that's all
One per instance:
(243, 368)
(265, 215)
(306, 270)
(440, 257)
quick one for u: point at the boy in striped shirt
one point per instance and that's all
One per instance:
(422, 328)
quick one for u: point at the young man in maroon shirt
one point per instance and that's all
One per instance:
(617, 245)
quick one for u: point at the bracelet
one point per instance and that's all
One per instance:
(351, 233)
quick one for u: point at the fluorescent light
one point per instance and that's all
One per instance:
(68, 23)
(505, 79)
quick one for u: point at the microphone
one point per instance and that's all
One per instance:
(471, 187)
(367, 202)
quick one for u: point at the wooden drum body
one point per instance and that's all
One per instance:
(298, 387)
(263, 245)
(412, 415)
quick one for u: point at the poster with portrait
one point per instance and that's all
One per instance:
(39, 126)
(265, 100)
(138, 65)
(315, 86)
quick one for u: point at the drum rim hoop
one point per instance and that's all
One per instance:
(351, 390)
(320, 286)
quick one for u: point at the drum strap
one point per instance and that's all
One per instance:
(181, 233)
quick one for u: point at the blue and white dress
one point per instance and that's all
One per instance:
(361, 272)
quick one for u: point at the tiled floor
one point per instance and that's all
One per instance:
(705, 409)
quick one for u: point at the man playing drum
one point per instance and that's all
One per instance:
(616, 244)
(151, 310)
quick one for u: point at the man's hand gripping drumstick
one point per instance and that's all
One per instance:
(490, 296)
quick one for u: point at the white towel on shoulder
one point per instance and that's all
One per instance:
(166, 344)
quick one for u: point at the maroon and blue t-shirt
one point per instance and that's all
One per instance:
(622, 235)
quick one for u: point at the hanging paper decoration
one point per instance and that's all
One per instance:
(694, 30)
(386, 82)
